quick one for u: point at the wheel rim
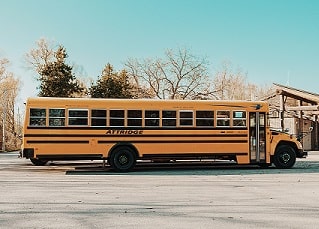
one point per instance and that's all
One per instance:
(123, 159)
(285, 157)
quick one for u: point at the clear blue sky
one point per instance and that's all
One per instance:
(272, 40)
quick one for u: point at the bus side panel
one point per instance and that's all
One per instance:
(63, 149)
(209, 150)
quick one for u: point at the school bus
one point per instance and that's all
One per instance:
(122, 131)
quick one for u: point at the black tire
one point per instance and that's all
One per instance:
(38, 162)
(122, 159)
(285, 157)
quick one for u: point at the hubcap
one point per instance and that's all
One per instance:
(285, 157)
(123, 159)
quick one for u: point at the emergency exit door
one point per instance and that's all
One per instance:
(257, 137)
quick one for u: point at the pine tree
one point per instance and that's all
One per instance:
(111, 84)
(57, 79)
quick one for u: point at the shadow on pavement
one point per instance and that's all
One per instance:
(198, 169)
(11, 162)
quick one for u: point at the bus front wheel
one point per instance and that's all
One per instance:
(38, 162)
(285, 157)
(122, 159)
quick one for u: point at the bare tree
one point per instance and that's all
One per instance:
(9, 87)
(40, 56)
(3, 69)
(229, 84)
(180, 75)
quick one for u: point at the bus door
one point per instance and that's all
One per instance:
(257, 137)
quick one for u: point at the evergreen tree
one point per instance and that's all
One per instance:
(111, 84)
(57, 79)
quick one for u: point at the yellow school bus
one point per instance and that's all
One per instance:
(122, 131)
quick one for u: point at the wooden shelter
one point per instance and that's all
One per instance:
(297, 110)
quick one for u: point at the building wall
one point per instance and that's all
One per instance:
(307, 139)
(293, 126)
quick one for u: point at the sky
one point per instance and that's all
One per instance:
(273, 41)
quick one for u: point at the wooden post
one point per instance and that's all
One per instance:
(301, 122)
(281, 111)
(315, 134)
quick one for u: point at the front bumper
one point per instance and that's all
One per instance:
(302, 154)
(28, 153)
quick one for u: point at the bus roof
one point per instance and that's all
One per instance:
(143, 103)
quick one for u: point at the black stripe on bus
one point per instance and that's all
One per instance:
(131, 128)
(133, 135)
(70, 156)
(135, 141)
(56, 142)
(192, 155)
(177, 141)
(145, 156)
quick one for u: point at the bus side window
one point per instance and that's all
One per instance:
(205, 118)
(223, 118)
(186, 118)
(134, 118)
(151, 118)
(56, 117)
(117, 118)
(98, 117)
(239, 118)
(78, 117)
(37, 117)
(169, 118)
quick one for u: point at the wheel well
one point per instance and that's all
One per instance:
(120, 144)
(291, 144)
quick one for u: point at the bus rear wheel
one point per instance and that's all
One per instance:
(123, 159)
(285, 157)
(38, 162)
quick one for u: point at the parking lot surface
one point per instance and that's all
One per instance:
(86, 195)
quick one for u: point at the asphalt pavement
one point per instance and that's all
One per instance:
(85, 194)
